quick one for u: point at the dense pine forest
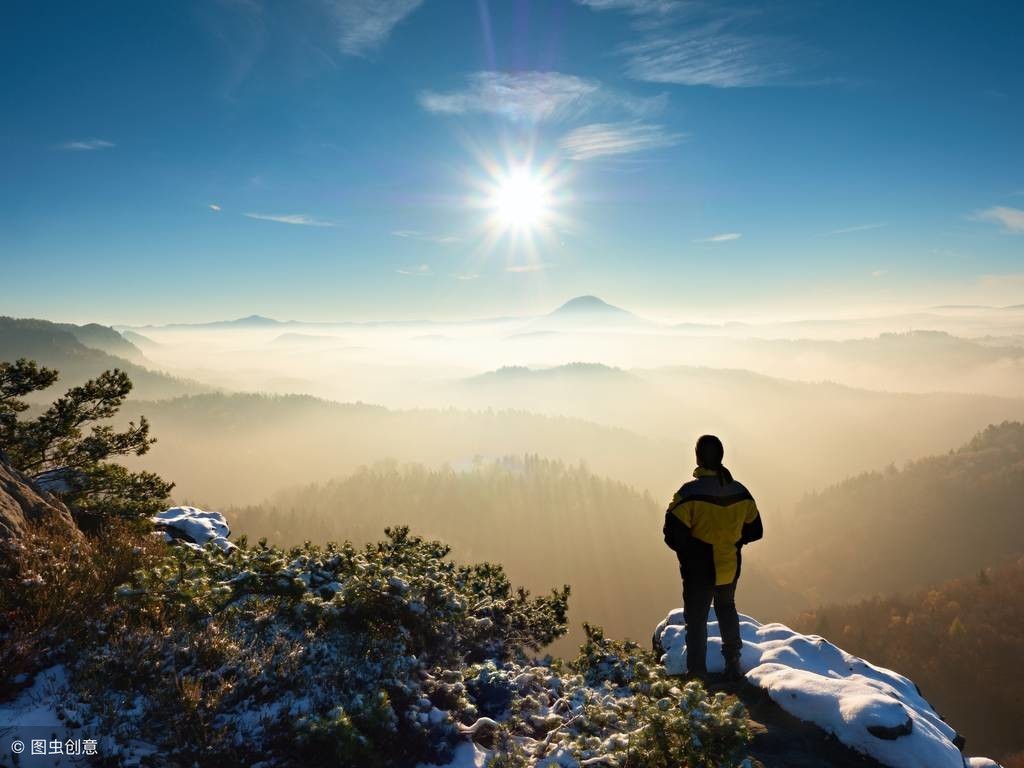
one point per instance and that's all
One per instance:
(960, 641)
(889, 531)
(543, 519)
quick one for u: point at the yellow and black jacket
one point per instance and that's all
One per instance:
(707, 523)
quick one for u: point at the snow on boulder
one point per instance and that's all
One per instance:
(873, 710)
(194, 527)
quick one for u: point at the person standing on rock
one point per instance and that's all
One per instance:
(709, 520)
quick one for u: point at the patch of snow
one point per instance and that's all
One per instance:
(43, 711)
(194, 527)
(467, 755)
(60, 480)
(34, 706)
(872, 710)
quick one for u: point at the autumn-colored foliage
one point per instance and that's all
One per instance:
(962, 643)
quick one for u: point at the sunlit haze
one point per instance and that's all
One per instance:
(489, 269)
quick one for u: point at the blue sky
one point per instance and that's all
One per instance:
(325, 159)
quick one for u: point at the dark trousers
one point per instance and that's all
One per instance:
(699, 592)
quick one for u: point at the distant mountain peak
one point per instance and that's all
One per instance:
(588, 304)
(256, 320)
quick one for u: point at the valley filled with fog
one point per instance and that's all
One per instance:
(299, 412)
(552, 443)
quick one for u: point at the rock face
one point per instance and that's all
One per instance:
(21, 502)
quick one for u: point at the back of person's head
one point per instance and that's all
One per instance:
(710, 453)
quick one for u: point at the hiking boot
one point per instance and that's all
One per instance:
(700, 675)
(733, 673)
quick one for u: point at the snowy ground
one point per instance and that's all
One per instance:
(870, 709)
(467, 755)
(43, 728)
(33, 716)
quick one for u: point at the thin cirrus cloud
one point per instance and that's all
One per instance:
(366, 24)
(709, 56)
(685, 43)
(427, 237)
(87, 145)
(725, 237)
(215, 208)
(635, 6)
(858, 228)
(1010, 219)
(419, 271)
(602, 139)
(299, 219)
(535, 97)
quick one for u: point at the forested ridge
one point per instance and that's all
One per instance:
(893, 530)
(962, 642)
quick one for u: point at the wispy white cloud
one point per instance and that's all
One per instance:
(419, 271)
(709, 55)
(535, 97)
(636, 6)
(413, 234)
(880, 273)
(1010, 219)
(693, 43)
(215, 208)
(858, 228)
(365, 24)
(87, 145)
(725, 237)
(467, 276)
(520, 268)
(300, 219)
(599, 139)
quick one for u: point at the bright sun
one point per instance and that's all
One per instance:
(525, 208)
(520, 200)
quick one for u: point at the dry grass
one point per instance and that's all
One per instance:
(56, 589)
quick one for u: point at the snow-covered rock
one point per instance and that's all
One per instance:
(873, 710)
(194, 527)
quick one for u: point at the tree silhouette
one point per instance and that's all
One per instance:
(55, 448)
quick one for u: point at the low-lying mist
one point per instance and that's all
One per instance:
(412, 364)
(287, 425)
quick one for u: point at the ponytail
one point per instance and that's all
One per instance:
(710, 453)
